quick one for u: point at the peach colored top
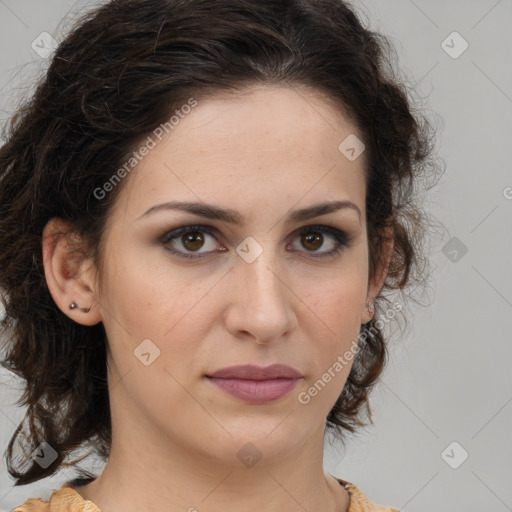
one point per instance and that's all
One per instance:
(67, 499)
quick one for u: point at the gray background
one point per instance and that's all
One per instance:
(449, 378)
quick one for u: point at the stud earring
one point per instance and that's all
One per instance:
(74, 305)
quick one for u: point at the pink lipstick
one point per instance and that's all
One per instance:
(256, 385)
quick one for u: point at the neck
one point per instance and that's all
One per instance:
(173, 478)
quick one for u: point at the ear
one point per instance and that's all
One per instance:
(377, 281)
(67, 281)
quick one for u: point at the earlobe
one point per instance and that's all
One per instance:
(71, 290)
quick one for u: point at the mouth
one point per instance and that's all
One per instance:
(255, 391)
(256, 385)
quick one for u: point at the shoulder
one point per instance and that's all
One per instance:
(65, 499)
(359, 502)
(32, 505)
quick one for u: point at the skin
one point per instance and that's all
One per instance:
(263, 152)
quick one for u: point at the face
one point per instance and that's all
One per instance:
(180, 304)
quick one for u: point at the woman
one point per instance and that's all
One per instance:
(201, 210)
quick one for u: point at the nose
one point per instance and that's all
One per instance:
(261, 302)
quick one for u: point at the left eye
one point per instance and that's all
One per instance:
(190, 239)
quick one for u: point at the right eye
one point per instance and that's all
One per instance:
(189, 238)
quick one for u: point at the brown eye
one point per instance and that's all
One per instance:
(316, 238)
(193, 240)
(312, 242)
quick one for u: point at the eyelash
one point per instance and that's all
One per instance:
(342, 239)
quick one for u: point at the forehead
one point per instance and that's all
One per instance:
(279, 116)
(247, 147)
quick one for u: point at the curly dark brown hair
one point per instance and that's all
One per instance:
(116, 77)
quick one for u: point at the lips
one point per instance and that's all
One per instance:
(254, 384)
(251, 372)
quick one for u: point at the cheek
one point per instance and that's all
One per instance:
(165, 308)
(340, 312)
(338, 298)
(335, 315)
(333, 351)
(144, 296)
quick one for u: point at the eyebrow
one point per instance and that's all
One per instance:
(233, 217)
